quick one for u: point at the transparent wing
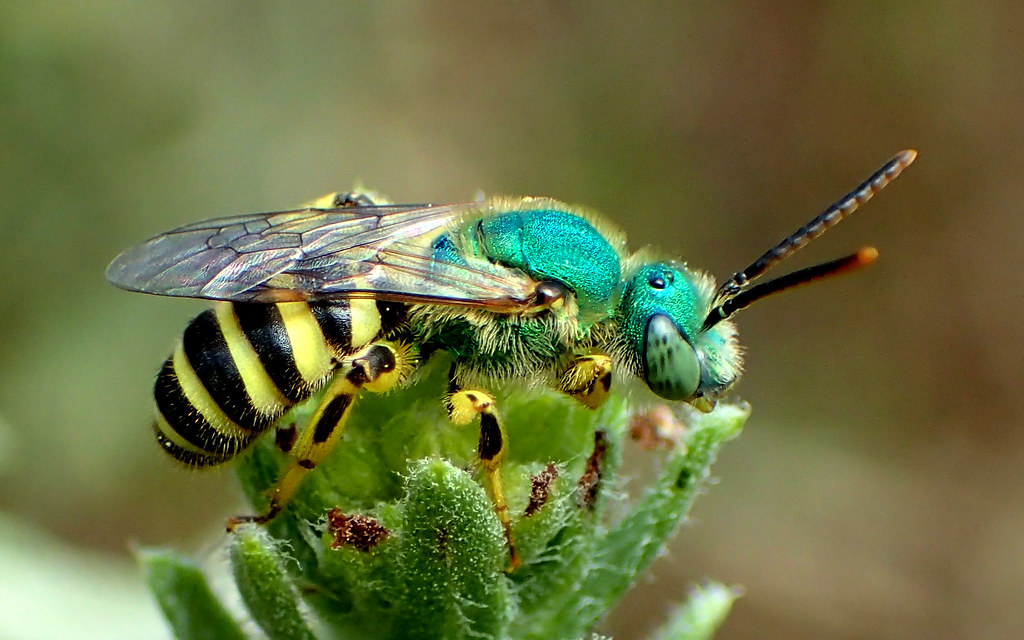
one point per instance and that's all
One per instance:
(321, 254)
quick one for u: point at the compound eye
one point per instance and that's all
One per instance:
(549, 295)
(671, 366)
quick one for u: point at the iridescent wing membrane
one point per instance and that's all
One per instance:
(381, 252)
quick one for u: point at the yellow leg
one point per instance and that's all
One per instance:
(463, 406)
(588, 379)
(377, 368)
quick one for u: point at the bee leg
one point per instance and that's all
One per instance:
(285, 436)
(463, 406)
(377, 367)
(588, 379)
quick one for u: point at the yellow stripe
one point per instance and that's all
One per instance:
(365, 321)
(265, 395)
(200, 399)
(309, 348)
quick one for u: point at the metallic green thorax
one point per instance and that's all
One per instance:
(548, 244)
(559, 246)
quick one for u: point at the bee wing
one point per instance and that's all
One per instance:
(321, 254)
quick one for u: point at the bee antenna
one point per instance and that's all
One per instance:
(747, 297)
(817, 226)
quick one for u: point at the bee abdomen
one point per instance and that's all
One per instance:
(186, 455)
(189, 426)
(211, 357)
(239, 367)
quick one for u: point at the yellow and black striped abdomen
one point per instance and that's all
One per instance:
(240, 366)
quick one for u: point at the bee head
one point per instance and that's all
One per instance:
(663, 311)
(678, 326)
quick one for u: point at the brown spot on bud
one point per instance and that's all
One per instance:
(362, 532)
(591, 479)
(540, 488)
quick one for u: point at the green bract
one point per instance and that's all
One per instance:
(414, 548)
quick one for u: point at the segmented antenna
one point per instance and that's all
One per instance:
(747, 297)
(734, 294)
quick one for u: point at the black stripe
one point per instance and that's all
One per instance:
(335, 320)
(186, 456)
(490, 444)
(264, 327)
(207, 351)
(392, 315)
(187, 421)
(333, 414)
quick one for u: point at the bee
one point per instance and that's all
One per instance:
(351, 295)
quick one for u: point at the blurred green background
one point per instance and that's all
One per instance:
(879, 488)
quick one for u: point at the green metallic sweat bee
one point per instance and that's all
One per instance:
(354, 295)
